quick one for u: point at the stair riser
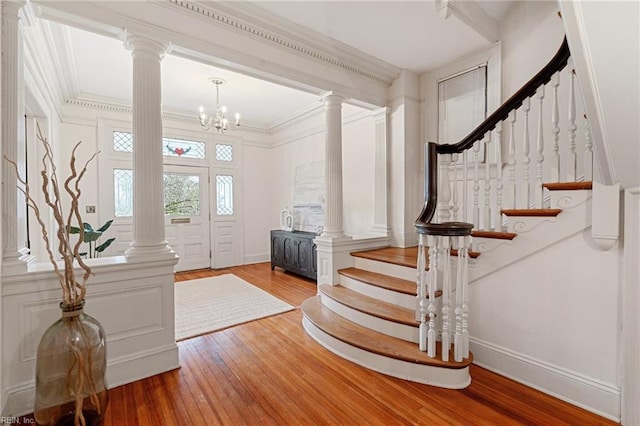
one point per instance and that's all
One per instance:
(390, 269)
(426, 374)
(389, 296)
(390, 328)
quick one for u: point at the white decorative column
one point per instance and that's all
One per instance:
(148, 203)
(333, 166)
(14, 256)
(332, 245)
(381, 173)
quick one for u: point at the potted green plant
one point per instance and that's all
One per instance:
(92, 236)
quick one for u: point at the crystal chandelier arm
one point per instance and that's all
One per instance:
(205, 121)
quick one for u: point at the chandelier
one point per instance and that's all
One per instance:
(219, 119)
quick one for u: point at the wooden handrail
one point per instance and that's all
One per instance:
(557, 63)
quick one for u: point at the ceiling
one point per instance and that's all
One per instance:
(407, 34)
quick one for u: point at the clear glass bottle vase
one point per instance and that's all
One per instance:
(71, 370)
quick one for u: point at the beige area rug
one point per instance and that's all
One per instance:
(209, 304)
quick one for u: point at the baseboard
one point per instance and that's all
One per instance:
(120, 371)
(256, 258)
(585, 392)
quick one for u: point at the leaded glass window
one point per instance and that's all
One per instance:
(183, 148)
(224, 195)
(224, 152)
(173, 147)
(122, 142)
(123, 192)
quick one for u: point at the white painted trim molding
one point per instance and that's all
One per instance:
(575, 388)
(630, 406)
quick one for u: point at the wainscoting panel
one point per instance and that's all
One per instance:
(133, 301)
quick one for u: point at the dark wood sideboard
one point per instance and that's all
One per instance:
(295, 252)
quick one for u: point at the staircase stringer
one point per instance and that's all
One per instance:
(534, 234)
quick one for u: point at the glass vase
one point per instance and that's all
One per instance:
(71, 370)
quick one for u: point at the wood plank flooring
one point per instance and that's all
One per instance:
(270, 372)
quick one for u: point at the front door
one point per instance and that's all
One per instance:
(186, 210)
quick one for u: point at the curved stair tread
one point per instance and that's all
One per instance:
(369, 305)
(567, 186)
(380, 280)
(369, 340)
(494, 234)
(404, 257)
(532, 212)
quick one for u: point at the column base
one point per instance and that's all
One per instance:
(143, 252)
(334, 253)
(17, 263)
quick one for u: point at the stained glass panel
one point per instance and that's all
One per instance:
(183, 148)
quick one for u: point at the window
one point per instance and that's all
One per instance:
(462, 104)
(122, 142)
(173, 147)
(123, 192)
(224, 195)
(181, 194)
(224, 152)
(183, 148)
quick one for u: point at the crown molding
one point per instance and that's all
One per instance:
(257, 23)
(124, 107)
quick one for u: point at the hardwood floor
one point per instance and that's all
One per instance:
(270, 372)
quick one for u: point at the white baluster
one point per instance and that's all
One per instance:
(446, 297)
(525, 185)
(465, 187)
(555, 119)
(538, 190)
(457, 339)
(432, 241)
(573, 158)
(588, 152)
(511, 159)
(476, 185)
(444, 189)
(455, 207)
(497, 212)
(487, 184)
(465, 298)
(421, 279)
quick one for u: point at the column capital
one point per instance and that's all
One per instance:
(135, 42)
(331, 96)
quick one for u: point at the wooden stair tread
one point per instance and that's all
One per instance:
(567, 186)
(407, 257)
(369, 305)
(398, 256)
(472, 254)
(370, 340)
(380, 280)
(532, 212)
(494, 234)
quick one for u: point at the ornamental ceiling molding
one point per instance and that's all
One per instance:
(257, 23)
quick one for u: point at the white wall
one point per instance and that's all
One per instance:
(606, 37)
(551, 321)
(260, 194)
(303, 142)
